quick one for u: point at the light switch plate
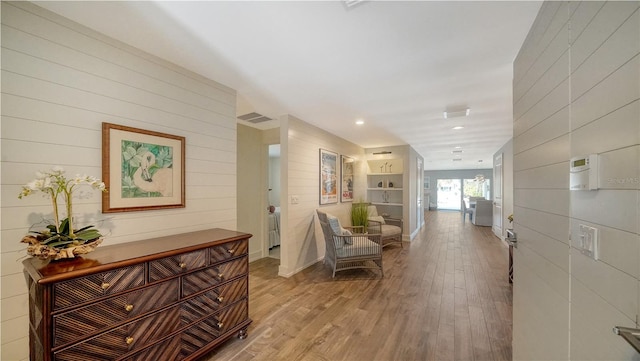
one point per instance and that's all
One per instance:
(589, 241)
(294, 200)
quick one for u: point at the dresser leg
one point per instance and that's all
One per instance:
(242, 334)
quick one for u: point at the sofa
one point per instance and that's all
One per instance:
(482, 214)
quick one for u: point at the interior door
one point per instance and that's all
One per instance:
(419, 210)
(497, 195)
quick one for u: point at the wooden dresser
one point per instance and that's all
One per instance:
(161, 299)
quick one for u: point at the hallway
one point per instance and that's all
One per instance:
(445, 296)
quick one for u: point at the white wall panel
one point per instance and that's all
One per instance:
(550, 249)
(541, 317)
(591, 317)
(617, 288)
(554, 201)
(554, 74)
(545, 131)
(551, 225)
(545, 28)
(553, 102)
(615, 130)
(302, 240)
(599, 29)
(602, 44)
(60, 81)
(549, 177)
(619, 249)
(623, 45)
(551, 152)
(617, 90)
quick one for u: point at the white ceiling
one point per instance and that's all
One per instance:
(397, 65)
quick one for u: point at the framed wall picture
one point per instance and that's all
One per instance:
(142, 169)
(328, 177)
(427, 182)
(346, 175)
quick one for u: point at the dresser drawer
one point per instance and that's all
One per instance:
(213, 276)
(207, 330)
(211, 302)
(228, 250)
(77, 324)
(130, 337)
(169, 350)
(80, 290)
(174, 265)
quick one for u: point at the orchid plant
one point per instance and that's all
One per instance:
(54, 184)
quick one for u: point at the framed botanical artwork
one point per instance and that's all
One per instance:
(328, 177)
(142, 169)
(427, 182)
(346, 186)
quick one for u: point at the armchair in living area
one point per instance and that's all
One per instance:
(348, 249)
(389, 228)
(483, 213)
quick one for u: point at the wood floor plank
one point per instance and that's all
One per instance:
(445, 296)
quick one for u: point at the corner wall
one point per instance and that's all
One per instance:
(60, 81)
(301, 242)
(576, 92)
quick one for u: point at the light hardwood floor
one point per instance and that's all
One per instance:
(445, 296)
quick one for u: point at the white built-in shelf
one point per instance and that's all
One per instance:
(384, 189)
(386, 204)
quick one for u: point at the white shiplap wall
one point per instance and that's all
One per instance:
(576, 92)
(302, 242)
(60, 81)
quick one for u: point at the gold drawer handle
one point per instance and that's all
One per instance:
(128, 308)
(129, 340)
(220, 299)
(220, 324)
(182, 265)
(105, 285)
(231, 251)
(221, 275)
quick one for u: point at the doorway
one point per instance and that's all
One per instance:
(449, 194)
(273, 211)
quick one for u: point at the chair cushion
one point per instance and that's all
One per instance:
(363, 248)
(390, 230)
(372, 211)
(377, 219)
(334, 222)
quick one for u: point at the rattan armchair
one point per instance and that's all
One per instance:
(349, 250)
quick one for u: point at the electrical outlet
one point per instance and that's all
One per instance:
(295, 200)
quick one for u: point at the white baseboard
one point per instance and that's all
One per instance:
(286, 273)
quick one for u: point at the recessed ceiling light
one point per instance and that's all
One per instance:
(457, 159)
(359, 121)
(456, 151)
(458, 127)
(458, 147)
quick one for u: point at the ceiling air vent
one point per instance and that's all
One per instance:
(254, 118)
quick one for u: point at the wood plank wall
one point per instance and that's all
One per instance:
(576, 92)
(60, 81)
(302, 244)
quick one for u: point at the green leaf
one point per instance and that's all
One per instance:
(58, 244)
(88, 234)
(51, 239)
(64, 226)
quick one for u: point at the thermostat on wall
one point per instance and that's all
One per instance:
(583, 173)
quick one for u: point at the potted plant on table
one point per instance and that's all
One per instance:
(60, 240)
